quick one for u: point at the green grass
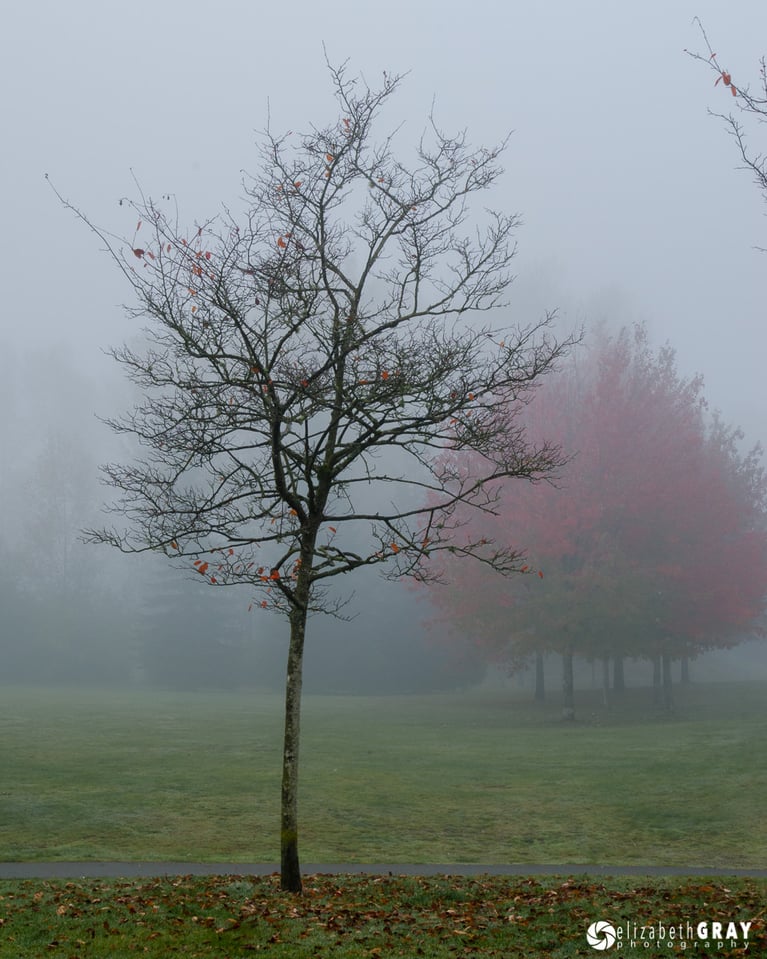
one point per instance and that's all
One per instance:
(480, 777)
(364, 916)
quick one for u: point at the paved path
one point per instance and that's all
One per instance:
(95, 870)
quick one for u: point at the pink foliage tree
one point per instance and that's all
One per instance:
(651, 541)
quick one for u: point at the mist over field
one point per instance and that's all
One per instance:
(633, 209)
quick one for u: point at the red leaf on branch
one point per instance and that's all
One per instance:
(138, 252)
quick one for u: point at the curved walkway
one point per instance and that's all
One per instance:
(96, 870)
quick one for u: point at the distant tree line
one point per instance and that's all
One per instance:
(74, 614)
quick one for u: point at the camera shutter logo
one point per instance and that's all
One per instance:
(601, 935)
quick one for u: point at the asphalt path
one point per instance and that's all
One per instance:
(130, 870)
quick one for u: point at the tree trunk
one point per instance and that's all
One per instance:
(540, 687)
(656, 671)
(684, 678)
(619, 675)
(668, 693)
(606, 682)
(568, 698)
(290, 869)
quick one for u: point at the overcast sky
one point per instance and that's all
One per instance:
(630, 193)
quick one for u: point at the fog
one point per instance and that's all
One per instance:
(633, 208)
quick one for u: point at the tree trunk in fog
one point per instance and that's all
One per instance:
(606, 681)
(656, 677)
(568, 698)
(619, 676)
(290, 868)
(684, 677)
(668, 692)
(540, 688)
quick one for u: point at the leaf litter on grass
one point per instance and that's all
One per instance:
(354, 916)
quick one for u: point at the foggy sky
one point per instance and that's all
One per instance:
(632, 202)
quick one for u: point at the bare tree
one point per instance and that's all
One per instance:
(308, 365)
(751, 106)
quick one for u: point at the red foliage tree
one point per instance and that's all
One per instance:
(652, 541)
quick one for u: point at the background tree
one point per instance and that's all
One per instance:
(187, 637)
(751, 106)
(652, 542)
(309, 364)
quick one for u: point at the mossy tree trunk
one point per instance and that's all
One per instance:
(290, 869)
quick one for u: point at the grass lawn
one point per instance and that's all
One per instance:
(479, 777)
(344, 917)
